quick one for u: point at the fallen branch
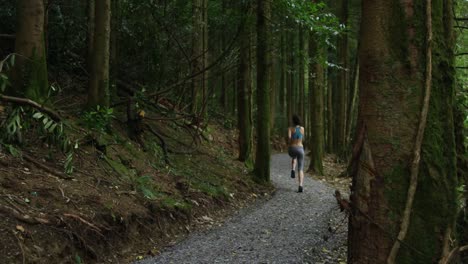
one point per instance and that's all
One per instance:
(162, 143)
(342, 203)
(20, 246)
(23, 217)
(25, 101)
(45, 167)
(405, 222)
(94, 227)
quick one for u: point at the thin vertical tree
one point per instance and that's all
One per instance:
(341, 85)
(30, 72)
(316, 91)
(244, 108)
(262, 158)
(90, 35)
(98, 93)
(404, 164)
(199, 56)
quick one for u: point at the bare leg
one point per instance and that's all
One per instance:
(293, 164)
(301, 177)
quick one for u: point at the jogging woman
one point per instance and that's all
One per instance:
(296, 150)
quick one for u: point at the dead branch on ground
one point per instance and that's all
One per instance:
(25, 101)
(45, 167)
(24, 217)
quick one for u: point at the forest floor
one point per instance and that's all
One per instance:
(122, 200)
(289, 227)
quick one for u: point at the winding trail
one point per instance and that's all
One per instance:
(288, 228)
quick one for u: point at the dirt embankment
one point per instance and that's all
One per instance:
(122, 201)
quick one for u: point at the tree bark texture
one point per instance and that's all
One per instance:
(392, 84)
(30, 70)
(262, 158)
(199, 56)
(317, 91)
(341, 86)
(90, 36)
(244, 108)
(98, 93)
(330, 120)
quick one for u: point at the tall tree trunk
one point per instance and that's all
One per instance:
(114, 48)
(224, 74)
(30, 72)
(90, 36)
(290, 80)
(199, 56)
(341, 87)
(273, 90)
(394, 59)
(282, 68)
(262, 159)
(244, 109)
(98, 93)
(330, 114)
(316, 90)
(352, 103)
(204, 109)
(301, 73)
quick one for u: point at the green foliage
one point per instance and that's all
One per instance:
(99, 119)
(460, 190)
(5, 65)
(20, 120)
(12, 126)
(145, 185)
(313, 16)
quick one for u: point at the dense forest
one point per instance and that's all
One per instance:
(123, 121)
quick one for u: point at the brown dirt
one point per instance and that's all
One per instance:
(101, 215)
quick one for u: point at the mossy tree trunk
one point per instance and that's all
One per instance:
(262, 158)
(98, 93)
(317, 91)
(30, 72)
(244, 108)
(199, 56)
(392, 58)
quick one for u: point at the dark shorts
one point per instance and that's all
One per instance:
(297, 152)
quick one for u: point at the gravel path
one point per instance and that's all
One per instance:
(289, 228)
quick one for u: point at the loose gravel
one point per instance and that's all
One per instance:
(290, 227)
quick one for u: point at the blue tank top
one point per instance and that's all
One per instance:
(297, 134)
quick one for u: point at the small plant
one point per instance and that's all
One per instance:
(5, 65)
(144, 184)
(99, 119)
